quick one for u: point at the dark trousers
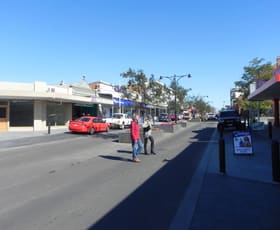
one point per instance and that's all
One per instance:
(146, 142)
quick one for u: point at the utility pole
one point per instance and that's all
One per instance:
(176, 79)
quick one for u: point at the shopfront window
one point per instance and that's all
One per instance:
(3, 112)
(56, 114)
(3, 102)
(21, 113)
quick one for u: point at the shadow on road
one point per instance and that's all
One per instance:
(154, 204)
(114, 136)
(114, 158)
(124, 151)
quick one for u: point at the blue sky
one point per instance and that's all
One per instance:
(213, 40)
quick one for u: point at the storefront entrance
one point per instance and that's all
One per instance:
(3, 118)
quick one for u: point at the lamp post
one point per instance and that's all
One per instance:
(175, 78)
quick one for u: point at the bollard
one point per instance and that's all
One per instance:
(49, 128)
(221, 130)
(275, 160)
(270, 130)
(222, 155)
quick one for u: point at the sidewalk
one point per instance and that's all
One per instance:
(13, 135)
(244, 198)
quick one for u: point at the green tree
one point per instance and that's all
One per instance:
(137, 82)
(149, 91)
(200, 105)
(181, 94)
(157, 91)
(256, 71)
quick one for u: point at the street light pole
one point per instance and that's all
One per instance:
(175, 78)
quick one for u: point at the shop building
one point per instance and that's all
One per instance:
(33, 106)
(113, 100)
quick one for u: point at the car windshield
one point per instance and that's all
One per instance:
(229, 114)
(83, 119)
(117, 116)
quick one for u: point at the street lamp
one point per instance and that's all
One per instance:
(176, 79)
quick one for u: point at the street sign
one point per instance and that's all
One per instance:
(242, 142)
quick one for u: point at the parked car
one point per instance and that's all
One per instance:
(164, 117)
(229, 118)
(187, 116)
(88, 124)
(180, 116)
(172, 117)
(211, 116)
(119, 120)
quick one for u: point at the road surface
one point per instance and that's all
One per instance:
(76, 182)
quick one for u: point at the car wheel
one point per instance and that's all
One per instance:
(91, 131)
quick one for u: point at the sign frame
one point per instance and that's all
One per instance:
(242, 143)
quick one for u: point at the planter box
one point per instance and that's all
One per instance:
(126, 138)
(170, 128)
(184, 124)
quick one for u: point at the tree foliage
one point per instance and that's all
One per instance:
(200, 105)
(256, 71)
(181, 94)
(156, 91)
(151, 91)
(137, 81)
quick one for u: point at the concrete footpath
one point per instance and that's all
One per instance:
(14, 135)
(245, 197)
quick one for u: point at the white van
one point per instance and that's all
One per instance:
(187, 116)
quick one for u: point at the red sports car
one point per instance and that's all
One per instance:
(88, 124)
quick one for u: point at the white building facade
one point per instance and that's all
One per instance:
(35, 106)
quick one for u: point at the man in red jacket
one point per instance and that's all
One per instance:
(137, 145)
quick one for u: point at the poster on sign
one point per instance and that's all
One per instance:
(242, 142)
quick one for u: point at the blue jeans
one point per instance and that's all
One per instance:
(137, 148)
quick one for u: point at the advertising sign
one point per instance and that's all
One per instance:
(242, 142)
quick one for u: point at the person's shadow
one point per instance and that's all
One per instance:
(114, 158)
(117, 158)
(124, 151)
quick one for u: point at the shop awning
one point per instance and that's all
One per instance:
(269, 90)
(123, 102)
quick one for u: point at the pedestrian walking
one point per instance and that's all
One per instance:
(137, 145)
(147, 127)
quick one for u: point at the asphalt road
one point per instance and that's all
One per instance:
(88, 182)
